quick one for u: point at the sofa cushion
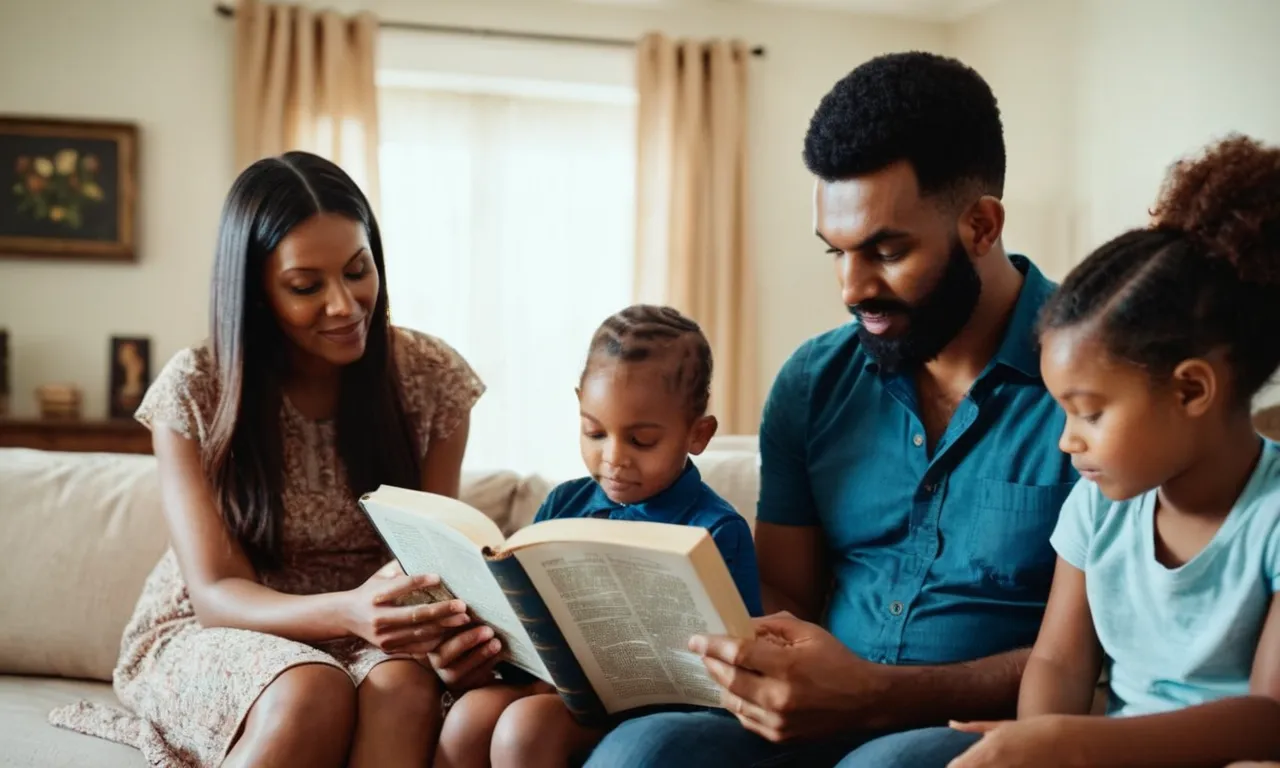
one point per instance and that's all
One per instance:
(26, 738)
(533, 490)
(82, 531)
(735, 475)
(492, 492)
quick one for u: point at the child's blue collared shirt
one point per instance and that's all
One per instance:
(688, 501)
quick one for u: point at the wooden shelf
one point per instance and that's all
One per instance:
(99, 435)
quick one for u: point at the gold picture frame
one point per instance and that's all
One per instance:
(68, 189)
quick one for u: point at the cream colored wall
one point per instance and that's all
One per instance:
(1020, 49)
(1100, 96)
(1159, 79)
(165, 64)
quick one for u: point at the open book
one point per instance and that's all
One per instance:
(601, 609)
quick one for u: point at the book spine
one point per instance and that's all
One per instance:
(571, 682)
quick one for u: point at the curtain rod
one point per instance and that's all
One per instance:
(610, 42)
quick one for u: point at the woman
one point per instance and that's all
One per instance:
(268, 630)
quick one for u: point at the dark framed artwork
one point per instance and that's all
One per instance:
(4, 372)
(130, 374)
(68, 189)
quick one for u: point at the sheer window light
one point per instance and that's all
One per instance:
(508, 226)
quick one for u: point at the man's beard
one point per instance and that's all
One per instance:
(931, 323)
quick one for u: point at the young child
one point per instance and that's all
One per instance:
(643, 401)
(1169, 547)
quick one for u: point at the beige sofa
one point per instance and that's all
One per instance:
(80, 532)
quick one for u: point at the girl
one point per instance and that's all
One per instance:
(643, 401)
(267, 632)
(1169, 547)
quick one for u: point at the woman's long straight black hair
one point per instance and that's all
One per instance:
(244, 454)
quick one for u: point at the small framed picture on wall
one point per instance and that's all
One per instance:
(4, 372)
(68, 189)
(130, 374)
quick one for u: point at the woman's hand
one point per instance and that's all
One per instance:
(466, 658)
(1037, 742)
(370, 612)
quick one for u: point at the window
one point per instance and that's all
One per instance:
(508, 226)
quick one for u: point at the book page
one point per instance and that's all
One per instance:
(458, 515)
(628, 614)
(423, 545)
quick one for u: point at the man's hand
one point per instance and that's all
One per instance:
(793, 680)
(1037, 742)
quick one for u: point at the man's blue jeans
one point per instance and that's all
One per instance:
(713, 738)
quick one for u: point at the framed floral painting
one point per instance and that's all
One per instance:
(68, 189)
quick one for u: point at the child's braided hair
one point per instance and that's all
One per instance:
(646, 332)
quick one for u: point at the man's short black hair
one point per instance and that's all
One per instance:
(934, 112)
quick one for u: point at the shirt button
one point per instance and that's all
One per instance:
(895, 608)
(930, 488)
(918, 440)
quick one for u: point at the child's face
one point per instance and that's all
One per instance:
(636, 430)
(1124, 431)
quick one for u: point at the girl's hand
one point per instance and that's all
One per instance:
(370, 612)
(1031, 743)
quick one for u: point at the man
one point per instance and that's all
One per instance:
(910, 471)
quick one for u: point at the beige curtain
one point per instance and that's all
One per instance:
(305, 80)
(691, 224)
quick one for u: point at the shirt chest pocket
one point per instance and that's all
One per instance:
(1005, 528)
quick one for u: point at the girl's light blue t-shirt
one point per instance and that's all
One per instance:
(1176, 637)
